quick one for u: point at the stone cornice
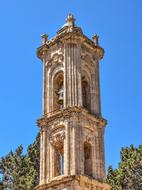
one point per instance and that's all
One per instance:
(83, 181)
(41, 50)
(69, 112)
(74, 33)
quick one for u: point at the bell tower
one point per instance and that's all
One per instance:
(71, 127)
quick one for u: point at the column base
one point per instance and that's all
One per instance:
(75, 182)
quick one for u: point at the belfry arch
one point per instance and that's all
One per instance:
(86, 90)
(59, 160)
(58, 91)
(87, 158)
(56, 138)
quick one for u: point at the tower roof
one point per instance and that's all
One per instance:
(70, 20)
(69, 25)
(71, 30)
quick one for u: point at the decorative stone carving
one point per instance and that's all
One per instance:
(43, 125)
(88, 135)
(88, 139)
(87, 58)
(57, 139)
(55, 59)
(74, 182)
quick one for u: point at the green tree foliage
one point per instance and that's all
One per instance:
(20, 171)
(33, 153)
(128, 176)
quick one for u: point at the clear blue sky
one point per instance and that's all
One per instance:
(119, 25)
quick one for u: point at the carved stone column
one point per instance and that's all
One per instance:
(43, 154)
(72, 76)
(73, 148)
(41, 158)
(44, 59)
(95, 90)
(99, 158)
(67, 150)
(102, 155)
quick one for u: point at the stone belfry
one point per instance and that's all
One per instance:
(71, 127)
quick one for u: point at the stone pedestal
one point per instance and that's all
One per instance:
(74, 182)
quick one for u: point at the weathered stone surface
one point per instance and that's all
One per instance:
(74, 182)
(71, 127)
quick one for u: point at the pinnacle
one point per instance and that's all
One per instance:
(70, 20)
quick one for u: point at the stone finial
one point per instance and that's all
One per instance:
(70, 20)
(44, 39)
(96, 39)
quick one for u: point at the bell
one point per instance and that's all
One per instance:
(60, 94)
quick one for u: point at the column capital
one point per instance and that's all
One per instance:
(44, 128)
(42, 124)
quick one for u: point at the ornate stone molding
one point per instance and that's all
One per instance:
(43, 125)
(42, 50)
(74, 34)
(72, 39)
(74, 181)
(87, 58)
(67, 113)
(55, 59)
(88, 139)
(57, 139)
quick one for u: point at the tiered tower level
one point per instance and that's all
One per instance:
(71, 127)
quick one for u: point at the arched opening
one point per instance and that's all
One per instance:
(59, 159)
(58, 91)
(86, 93)
(58, 164)
(87, 159)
